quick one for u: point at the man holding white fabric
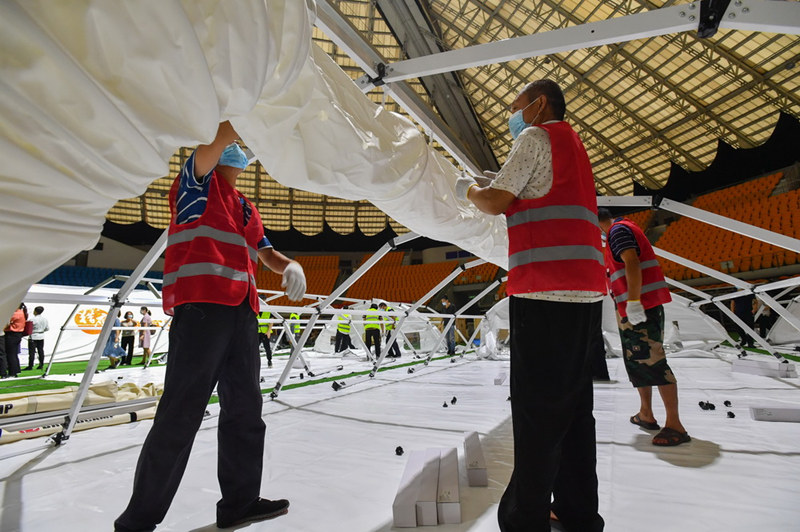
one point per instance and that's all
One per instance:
(557, 280)
(215, 240)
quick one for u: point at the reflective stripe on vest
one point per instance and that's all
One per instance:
(554, 241)
(643, 265)
(215, 234)
(344, 324)
(654, 291)
(372, 322)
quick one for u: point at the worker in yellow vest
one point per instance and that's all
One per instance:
(373, 329)
(394, 351)
(264, 332)
(342, 333)
(294, 324)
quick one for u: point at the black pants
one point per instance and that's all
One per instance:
(394, 352)
(209, 345)
(598, 351)
(264, 339)
(374, 337)
(3, 359)
(342, 342)
(35, 346)
(126, 343)
(12, 341)
(744, 338)
(551, 409)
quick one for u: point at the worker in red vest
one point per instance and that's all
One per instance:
(556, 281)
(215, 241)
(640, 292)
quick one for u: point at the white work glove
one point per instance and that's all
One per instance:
(635, 312)
(463, 184)
(294, 280)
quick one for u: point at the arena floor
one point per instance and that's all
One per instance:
(333, 454)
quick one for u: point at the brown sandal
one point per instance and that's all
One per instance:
(672, 437)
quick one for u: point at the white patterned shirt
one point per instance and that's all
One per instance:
(528, 174)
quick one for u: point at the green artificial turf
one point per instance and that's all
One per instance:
(32, 385)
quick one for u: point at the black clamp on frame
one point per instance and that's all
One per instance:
(711, 13)
(377, 81)
(656, 201)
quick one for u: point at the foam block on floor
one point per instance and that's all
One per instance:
(767, 413)
(448, 505)
(765, 367)
(427, 493)
(404, 512)
(475, 462)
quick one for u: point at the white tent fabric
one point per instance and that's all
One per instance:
(783, 332)
(96, 97)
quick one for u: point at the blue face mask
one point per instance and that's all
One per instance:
(516, 124)
(233, 156)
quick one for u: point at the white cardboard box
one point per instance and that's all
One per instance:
(404, 511)
(769, 413)
(428, 489)
(764, 366)
(474, 460)
(448, 503)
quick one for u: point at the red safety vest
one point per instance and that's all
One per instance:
(654, 287)
(554, 241)
(214, 258)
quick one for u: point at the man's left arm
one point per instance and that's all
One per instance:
(490, 200)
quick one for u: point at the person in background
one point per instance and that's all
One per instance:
(145, 335)
(126, 342)
(36, 339)
(373, 327)
(744, 308)
(556, 281)
(765, 321)
(3, 359)
(216, 239)
(449, 308)
(13, 338)
(391, 321)
(294, 325)
(264, 332)
(640, 291)
(112, 349)
(342, 333)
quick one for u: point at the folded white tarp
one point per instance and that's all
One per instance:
(96, 96)
(784, 332)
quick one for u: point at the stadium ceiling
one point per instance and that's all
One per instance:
(639, 105)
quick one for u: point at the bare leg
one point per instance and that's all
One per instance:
(646, 407)
(669, 395)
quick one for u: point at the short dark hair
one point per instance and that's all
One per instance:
(38, 310)
(551, 89)
(373, 306)
(604, 214)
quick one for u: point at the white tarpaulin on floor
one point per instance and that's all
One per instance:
(96, 96)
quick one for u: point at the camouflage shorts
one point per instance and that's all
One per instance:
(645, 360)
